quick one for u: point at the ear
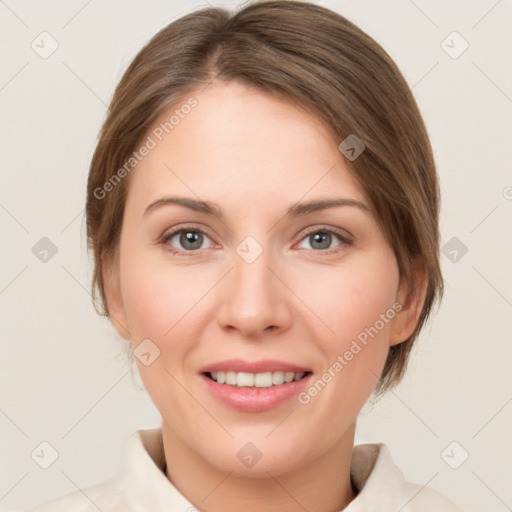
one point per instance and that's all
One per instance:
(112, 284)
(411, 299)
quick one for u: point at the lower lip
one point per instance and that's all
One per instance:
(255, 399)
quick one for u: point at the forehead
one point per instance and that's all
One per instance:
(231, 142)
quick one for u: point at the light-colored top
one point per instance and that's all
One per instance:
(142, 485)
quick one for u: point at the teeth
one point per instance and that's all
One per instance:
(258, 380)
(277, 378)
(245, 379)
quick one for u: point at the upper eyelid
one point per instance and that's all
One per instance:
(175, 231)
(343, 233)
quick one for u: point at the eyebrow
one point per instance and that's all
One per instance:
(296, 210)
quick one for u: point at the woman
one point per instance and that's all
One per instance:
(263, 212)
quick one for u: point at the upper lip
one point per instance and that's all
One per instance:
(262, 366)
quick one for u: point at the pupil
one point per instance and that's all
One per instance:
(324, 240)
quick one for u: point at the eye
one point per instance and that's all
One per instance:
(321, 239)
(186, 240)
(189, 240)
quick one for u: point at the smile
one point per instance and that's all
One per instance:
(254, 386)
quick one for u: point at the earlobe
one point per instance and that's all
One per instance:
(411, 299)
(111, 280)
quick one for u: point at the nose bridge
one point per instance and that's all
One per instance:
(254, 299)
(252, 277)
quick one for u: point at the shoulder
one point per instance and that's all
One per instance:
(426, 499)
(421, 498)
(140, 477)
(106, 496)
(382, 485)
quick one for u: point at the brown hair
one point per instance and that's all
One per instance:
(322, 62)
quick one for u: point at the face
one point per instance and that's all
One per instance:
(222, 269)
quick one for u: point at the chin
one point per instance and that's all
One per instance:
(254, 456)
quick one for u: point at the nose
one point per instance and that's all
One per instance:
(255, 301)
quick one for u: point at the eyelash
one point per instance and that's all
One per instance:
(345, 241)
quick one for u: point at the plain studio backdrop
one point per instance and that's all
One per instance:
(64, 380)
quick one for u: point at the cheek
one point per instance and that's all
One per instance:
(148, 304)
(156, 297)
(351, 299)
(161, 305)
(357, 306)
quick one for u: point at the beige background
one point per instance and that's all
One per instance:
(63, 378)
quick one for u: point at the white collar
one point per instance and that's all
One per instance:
(380, 484)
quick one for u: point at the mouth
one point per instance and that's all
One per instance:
(254, 386)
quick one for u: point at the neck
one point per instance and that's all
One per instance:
(322, 484)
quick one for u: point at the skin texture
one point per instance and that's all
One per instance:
(254, 155)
